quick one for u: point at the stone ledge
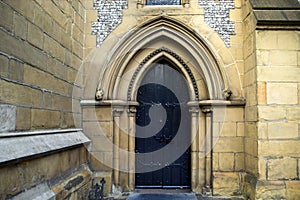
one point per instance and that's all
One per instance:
(108, 103)
(16, 146)
(40, 192)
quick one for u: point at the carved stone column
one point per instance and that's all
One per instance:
(208, 150)
(116, 139)
(131, 146)
(194, 147)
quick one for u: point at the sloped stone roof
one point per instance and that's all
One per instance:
(283, 13)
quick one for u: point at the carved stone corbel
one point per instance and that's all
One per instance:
(227, 94)
(99, 94)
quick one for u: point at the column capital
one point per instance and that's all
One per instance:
(206, 110)
(117, 111)
(194, 109)
(131, 111)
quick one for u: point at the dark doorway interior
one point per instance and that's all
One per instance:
(163, 129)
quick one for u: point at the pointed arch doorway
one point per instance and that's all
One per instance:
(163, 137)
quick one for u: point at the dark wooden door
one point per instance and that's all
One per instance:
(163, 129)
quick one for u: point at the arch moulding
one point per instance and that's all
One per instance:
(162, 37)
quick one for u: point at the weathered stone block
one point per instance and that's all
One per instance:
(226, 184)
(271, 113)
(21, 95)
(263, 57)
(277, 73)
(293, 113)
(275, 95)
(239, 162)
(251, 130)
(251, 146)
(54, 12)
(21, 50)
(250, 77)
(4, 64)
(262, 168)
(283, 58)
(250, 62)
(251, 113)
(60, 102)
(292, 189)
(44, 80)
(16, 70)
(226, 56)
(101, 144)
(279, 148)
(7, 118)
(23, 119)
(228, 114)
(77, 48)
(101, 161)
(228, 129)
(285, 168)
(261, 93)
(266, 40)
(283, 130)
(20, 26)
(67, 120)
(288, 40)
(43, 20)
(45, 119)
(229, 144)
(226, 162)
(251, 164)
(54, 48)
(26, 9)
(35, 36)
(6, 13)
(262, 129)
(240, 129)
(91, 15)
(270, 190)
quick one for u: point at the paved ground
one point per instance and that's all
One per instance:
(174, 195)
(184, 196)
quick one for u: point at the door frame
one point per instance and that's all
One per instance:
(201, 158)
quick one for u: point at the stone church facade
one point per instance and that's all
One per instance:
(71, 97)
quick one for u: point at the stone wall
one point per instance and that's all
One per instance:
(277, 54)
(228, 151)
(41, 51)
(52, 170)
(42, 47)
(250, 90)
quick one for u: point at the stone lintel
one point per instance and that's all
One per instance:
(28, 145)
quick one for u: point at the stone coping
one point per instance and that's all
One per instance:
(22, 145)
(277, 14)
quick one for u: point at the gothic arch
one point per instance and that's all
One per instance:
(164, 52)
(155, 35)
